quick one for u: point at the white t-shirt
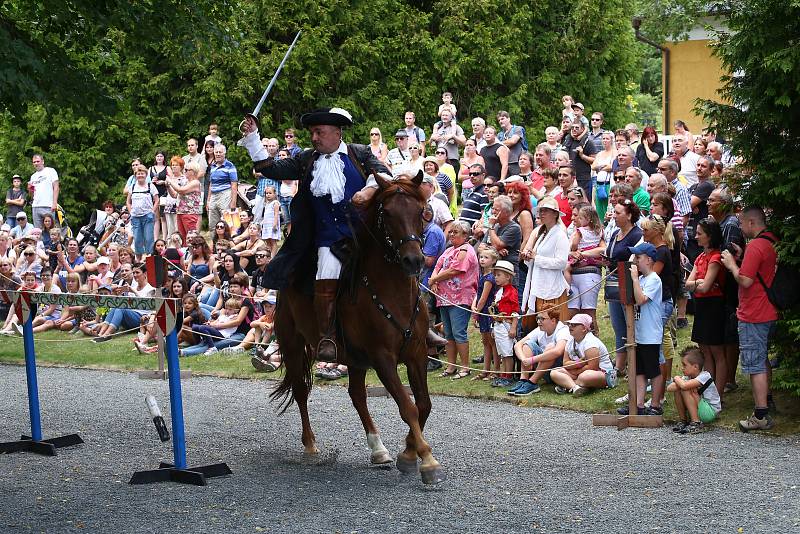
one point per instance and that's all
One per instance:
(142, 199)
(711, 393)
(576, 350)
(42, 182)
(441, 213)
(689, 167)
(55, 290)
(540, 337)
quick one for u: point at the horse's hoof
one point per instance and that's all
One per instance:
(406, 467)
(381, 458)
(433, 476)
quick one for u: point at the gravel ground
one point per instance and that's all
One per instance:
(510, 469)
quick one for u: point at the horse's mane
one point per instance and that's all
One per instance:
(404, 184)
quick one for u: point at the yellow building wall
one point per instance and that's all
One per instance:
(694, 73)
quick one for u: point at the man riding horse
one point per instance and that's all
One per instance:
(334, 178)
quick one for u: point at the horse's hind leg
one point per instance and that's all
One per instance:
(416, 446)
(358, 394)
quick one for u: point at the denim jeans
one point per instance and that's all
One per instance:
(123, 319)
(209, 296)
(143, 233)
(617, 313)
(455, 321)
(194, 350)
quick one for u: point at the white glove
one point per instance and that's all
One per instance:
(252, 142)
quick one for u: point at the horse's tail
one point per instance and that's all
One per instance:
(297, 374)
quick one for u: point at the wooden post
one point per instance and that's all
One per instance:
(630, 351)
(162, 374)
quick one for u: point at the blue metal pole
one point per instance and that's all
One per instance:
(175, 400)
(33, 383)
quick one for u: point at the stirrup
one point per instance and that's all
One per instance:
(326, 357)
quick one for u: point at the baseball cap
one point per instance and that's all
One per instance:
(578, 105)
(272, 296)
(645, 248)
(401, 133)
(104, 259)
(22, 215)
(581, 319)
(504, 265)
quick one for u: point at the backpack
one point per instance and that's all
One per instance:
(784, 293)
(522, 138)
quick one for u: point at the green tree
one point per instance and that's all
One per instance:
(762, 121)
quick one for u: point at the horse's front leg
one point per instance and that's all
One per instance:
(358, 394)
(416, 446)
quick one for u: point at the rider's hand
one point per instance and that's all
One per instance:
(249, 125)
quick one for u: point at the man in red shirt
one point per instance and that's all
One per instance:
(566, 179)
(756, 313)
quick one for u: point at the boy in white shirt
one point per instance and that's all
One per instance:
(696, 396)
(539, 351)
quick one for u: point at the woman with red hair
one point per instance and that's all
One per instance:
(520, 195)
(649, 151)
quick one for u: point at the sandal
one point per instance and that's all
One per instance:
(483, 375)
(448, 372)
(460, 375)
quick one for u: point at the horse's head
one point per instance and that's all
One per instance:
(399, 206)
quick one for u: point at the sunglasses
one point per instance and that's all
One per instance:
(220, 227)
(288, 136)
(596, 120)
(576, 191)
(475, 173)
(414, 148)
(374, 133)
(440, 153)
(29, 253)
(259, 256)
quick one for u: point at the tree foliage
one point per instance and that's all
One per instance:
(93, 83)
(762, 120)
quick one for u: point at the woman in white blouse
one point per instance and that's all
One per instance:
(548, 250)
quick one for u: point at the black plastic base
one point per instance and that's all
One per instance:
(46, 447)
(191, 475)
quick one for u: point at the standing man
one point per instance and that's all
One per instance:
(398, 157)
(415, 132)
(195, 156)
(700, 192)
(633, 135)
(581, 154)
(513, 137)
(688, 158)
(476, 201)
(494, 154)
(541, 160)
(290, 139)
(596, 133)
(504, 234)
(223, 186)
(478, 125)
(449, 136)
(756, 314)
(44, 187)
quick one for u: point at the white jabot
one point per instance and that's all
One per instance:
(328, 175)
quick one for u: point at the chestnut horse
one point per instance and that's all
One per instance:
(383, 323)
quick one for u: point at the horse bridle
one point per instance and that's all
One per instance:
(392, 252)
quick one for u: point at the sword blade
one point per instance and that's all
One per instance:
(275, 76)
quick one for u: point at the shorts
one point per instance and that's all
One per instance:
(484, 323)
(504, 343)
(705, 411)
(753, 344)
(647, 360)
(55, 317)
(585, 290)
(455, 320)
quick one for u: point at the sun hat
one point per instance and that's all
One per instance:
(505, 266)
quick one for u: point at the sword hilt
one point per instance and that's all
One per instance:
(250, 116)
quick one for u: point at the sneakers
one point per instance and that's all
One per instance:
(678, 429)
(100, 339)
(561, 390)
(527, 388)
(621, 400)
(579, 391)
(238, 349)
(623, 410)
(683, 322)
(754, 423)
(695, 427)
(75, 329)
(477, 359)
(502, 382)
(212, 350)
(18, 328)
(653, 410)
(518, 384)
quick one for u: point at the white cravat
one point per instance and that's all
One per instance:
(328, 175)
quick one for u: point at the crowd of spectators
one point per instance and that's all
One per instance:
(519, 241)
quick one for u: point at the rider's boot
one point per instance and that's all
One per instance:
(434, 340)
(324, 308)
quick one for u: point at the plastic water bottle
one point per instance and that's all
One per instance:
(161, 426)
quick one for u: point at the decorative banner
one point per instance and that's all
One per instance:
(22, 305)
(167, 315)
(107, 301)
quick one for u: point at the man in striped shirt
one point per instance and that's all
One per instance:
(223, 186)
(472, 209)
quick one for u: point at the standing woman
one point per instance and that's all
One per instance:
(680, 128)
(142, 203)
(520, 196)
(707, 284)
(602, 170)
(169, 201)
(202, 265)
(376, 145)
(158, 177)
(471, 157)
(416, 160)
(454, 281)
(188, 191)
(649, 151)
(626, 214)
(548, 253)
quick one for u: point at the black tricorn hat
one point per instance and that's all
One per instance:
(327, 116)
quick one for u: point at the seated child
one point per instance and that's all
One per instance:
(223, 327)
(696, 396)
(28, 284)
(506, 308)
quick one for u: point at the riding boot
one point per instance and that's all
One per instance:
(324, 308)
(434, 340)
